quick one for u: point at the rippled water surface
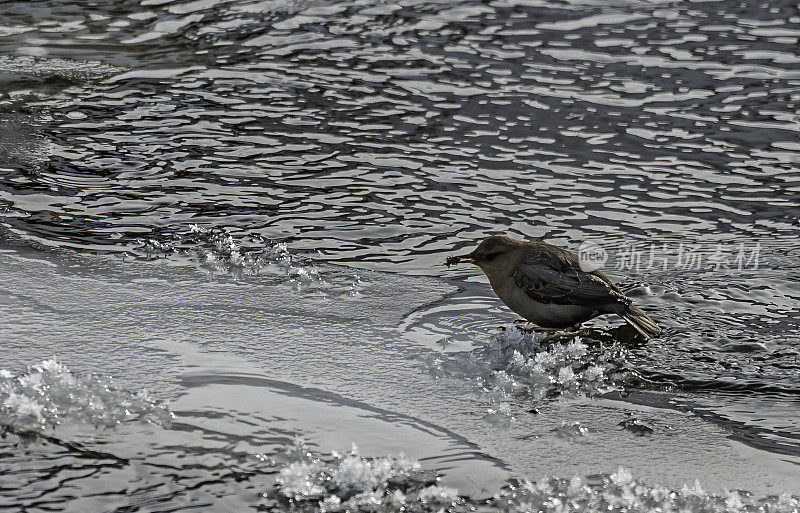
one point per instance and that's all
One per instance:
(242, 207)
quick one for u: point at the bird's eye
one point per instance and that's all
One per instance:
(491, 256)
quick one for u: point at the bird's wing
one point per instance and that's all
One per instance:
(549, 279)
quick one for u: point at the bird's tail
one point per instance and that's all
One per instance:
(646, 326)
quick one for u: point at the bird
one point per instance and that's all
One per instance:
(549, 286)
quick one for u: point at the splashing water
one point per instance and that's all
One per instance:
(49, 393)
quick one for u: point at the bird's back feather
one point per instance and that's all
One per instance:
(549, 274)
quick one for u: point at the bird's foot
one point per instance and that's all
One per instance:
(525, 325)
(548, 333)
(557, 335)
(548, 330)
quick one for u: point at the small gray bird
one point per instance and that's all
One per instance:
(548, 286)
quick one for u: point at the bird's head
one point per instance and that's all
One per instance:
(493, 255)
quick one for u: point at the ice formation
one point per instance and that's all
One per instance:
(217, 249)
(516, 363)
(49, 393)
(572, 430)
(354, 484)
(48, 67)
(621, 492)
(521, 363)
(637, 426)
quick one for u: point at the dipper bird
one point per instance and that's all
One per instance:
(547, 285)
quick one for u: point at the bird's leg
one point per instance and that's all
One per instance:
(573, 328)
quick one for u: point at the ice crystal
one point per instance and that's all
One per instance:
(517, 364)
(49, 393)
(217, 249)
(354, 484)
(620, 491)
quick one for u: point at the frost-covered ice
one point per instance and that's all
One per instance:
(516, 363)
(621, 492)
(49, 393)
(355, 484)
(217, 249)
(352, 483)
(48, 67)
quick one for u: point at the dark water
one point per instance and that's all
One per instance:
(374, 139)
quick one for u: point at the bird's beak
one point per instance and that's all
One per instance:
(461, 259)
(469, 258)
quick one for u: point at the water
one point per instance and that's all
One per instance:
(239, 210)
